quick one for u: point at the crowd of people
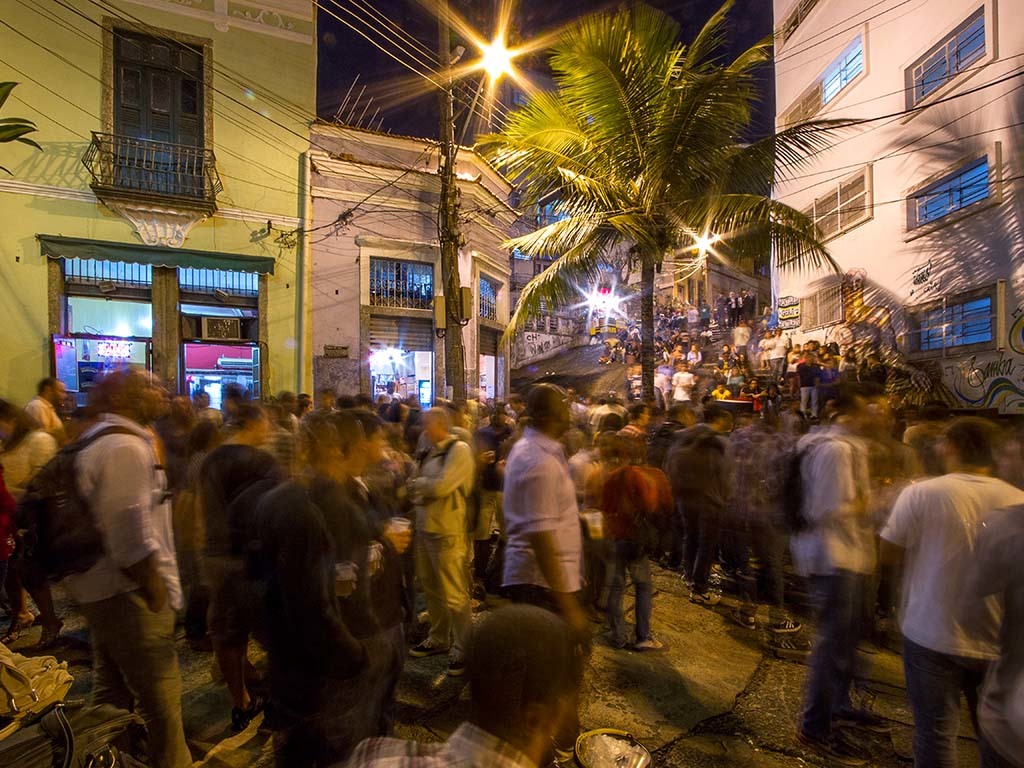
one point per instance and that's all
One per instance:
(329, 529)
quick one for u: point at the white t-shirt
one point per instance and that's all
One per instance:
(937, 521)
(44, 413)
(682, 385)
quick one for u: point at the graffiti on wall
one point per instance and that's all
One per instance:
(532, 346)
(994, 380)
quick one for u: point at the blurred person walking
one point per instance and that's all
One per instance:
(932, 531)
(130, 596)
(46, 407)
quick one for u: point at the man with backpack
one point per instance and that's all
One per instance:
(833, 546)
(699, 470)
(130, 595)
(440, 492)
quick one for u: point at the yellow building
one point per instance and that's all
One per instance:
(161, 225)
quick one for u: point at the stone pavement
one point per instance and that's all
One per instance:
(717, 697)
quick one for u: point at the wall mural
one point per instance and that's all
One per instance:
(993, 380)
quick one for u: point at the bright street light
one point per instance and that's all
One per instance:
(496, 60)
(702, 243)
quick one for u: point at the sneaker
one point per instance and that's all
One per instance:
(456, 668)
(865, 720)
(425, 649)
(834, 748)
(705, 598)
(785, 627)
(651, 644)
(745, 620)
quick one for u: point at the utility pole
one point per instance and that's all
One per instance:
(448, 234)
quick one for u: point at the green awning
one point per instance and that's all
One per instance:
(78, 248)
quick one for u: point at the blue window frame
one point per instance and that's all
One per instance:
(947, 58)
(843, 71)
(965, 186)
(956, 325)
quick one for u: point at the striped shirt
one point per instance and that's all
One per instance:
(468, 747)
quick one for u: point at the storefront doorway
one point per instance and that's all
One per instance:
(210, 368)
(402, 358)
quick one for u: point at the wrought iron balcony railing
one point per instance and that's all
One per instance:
(129, 168)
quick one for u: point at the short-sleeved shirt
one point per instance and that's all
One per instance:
(44, 413)
(682, 386)
(937, 522)
(540, 497)
(120, 478)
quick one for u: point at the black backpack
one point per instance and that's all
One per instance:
(792, 501)
(62, 537)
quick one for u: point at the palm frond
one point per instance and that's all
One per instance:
(557, 286)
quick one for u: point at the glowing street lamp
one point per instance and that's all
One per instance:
(496, 60)
(703, 243)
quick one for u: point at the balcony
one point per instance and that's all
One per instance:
(175, 176)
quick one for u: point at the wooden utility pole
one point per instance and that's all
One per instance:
(448, 234)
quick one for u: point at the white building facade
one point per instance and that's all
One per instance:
(921, 205)
(376, 266)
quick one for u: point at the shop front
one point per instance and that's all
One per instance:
(193, 318)
(402, 357)
(489, 341)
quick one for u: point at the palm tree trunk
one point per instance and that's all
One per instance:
(647, 326)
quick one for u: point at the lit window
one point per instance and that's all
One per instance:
(947, 58)
(833, 81)
(958, 190)
(842, 72)
(488, 300)
(192, 280)
(958, 324)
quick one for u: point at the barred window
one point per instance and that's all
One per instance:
(959, 323)
(822, 308)
(209, 281)
(406, 284)
(488, 300)
(117, 274)
(946, 59)
(843, 207)
(952, 193)
(839, 75)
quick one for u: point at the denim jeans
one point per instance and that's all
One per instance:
(934, 684)
(809, 401)
(703, 535)
(623, 557)
(839, 610)
(769, 545)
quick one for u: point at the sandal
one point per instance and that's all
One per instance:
(14, 631)
(240, 718)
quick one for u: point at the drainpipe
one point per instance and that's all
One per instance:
(302, 255)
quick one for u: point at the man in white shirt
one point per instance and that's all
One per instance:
(836, 553)
(544, 554)
(932, 529)
(683, 383)
(43, 408)
(130, 596)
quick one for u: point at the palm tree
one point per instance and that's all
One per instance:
(640, 145)
(14, 128)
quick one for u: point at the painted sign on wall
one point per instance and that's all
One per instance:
(789, 312)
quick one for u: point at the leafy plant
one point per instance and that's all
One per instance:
(641, 145)
(14, 128)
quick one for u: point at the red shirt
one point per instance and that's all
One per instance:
(632, 492)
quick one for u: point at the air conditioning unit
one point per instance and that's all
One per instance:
(222, 328)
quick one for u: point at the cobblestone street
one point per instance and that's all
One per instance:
(716, 697)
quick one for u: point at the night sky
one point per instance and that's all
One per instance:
(343, 53)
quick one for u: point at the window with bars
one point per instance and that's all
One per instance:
(488, 300)
(101, 274)
(960, 322)
(404, 284)
(843, 207)
(794, 20)
(839, 75)
(946, 59)
(822, 308)
(209, 281)
(963, 187)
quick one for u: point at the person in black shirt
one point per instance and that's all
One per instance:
(491, 448)
(231, 480)
(809, 374)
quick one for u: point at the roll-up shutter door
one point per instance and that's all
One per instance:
(410, 334)
(489, 339)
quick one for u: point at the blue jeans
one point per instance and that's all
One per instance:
(628, 556)
(839, 609)
(934, 684)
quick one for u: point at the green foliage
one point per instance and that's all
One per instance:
(14, 128)
(640, 144)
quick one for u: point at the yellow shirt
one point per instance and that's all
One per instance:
(721, 394)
